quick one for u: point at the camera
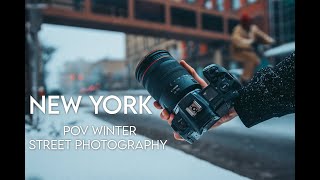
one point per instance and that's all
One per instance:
(195, 109)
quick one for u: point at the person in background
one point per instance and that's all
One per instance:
(243, 39)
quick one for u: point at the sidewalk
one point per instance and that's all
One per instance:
(110, 164)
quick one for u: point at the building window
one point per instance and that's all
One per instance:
(191, 1)
(220, 5)
(251, 1)
(236, 4)
(208, 4)
(282, 20)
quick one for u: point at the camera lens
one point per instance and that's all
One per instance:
(164, 78)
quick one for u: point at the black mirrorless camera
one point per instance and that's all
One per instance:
(195, 109)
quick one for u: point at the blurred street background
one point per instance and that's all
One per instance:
(91, 47)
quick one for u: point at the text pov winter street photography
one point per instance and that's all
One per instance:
(129, 89)
(94, 143)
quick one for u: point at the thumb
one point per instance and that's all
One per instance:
(193, 73)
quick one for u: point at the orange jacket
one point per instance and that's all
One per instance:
(242, 40)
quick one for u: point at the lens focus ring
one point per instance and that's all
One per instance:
(162, 76)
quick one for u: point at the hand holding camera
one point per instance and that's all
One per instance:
(178, 89)
(169, 117)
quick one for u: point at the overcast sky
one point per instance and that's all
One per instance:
(73, 43)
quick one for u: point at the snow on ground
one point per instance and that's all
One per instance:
(109, 164)
(276, 127)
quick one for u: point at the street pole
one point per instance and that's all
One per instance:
(129, 74)
(35, 21)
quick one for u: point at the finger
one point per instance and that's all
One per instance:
(222, 120)
(170, 119)
(216, 124)
(164, 115)
(233, 113)
(177, 136)
(157, 105)
(193, 73)
(219, 122)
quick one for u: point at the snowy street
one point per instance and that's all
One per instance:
(264, 151)
(168, 163)
(232, 151)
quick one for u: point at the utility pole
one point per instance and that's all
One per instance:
(35, 59)
(128, 63)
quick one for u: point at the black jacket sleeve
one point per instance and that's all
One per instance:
(270, 93)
